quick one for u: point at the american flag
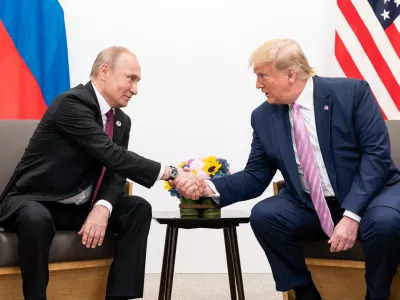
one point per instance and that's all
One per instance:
(367, 46)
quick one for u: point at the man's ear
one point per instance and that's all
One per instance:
(292, 76)
(103, 70)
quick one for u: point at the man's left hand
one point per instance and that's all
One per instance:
(94, 229)
(345, 235)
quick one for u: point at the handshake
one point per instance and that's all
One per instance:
(188, 184)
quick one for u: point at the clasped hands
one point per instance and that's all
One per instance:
(188, 184)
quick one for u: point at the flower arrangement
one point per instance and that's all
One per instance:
(207, 168)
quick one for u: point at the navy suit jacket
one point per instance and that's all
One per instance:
(354, 143)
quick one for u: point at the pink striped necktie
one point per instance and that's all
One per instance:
(109, 130)
(310, 170)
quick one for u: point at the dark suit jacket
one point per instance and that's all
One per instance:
(354, 143)
(68, 150)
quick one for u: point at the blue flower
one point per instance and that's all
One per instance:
(225, 165)
(174, 193)
(219, 174)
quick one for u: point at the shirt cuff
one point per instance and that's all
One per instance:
(216, 195)
(162, 169)
(106, 204)
(352, 215)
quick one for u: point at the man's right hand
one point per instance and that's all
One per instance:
(189, 185)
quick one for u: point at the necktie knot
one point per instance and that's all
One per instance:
(109, 123)
(110, 115)
(296, 106)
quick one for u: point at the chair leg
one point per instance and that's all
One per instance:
(289, 295)
(229, 261)
(285, 296)
(171, 262)
(236, 262)
(164, 270)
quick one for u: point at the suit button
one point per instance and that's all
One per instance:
(59, 198)
(80, 190)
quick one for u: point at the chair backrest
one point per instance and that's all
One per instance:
(393, 127)
(14, 137)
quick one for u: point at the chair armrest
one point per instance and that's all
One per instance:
(278, 185)
(128, 188)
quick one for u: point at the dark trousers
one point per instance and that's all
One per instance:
(281, 221)
(36, 223)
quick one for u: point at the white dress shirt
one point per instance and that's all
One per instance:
(306, 102)
(84, 196)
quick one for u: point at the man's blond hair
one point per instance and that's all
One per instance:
(107, 56)
(285, 55)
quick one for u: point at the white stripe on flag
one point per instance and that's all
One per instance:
(365, 67)
(397, 23)
(379, 36)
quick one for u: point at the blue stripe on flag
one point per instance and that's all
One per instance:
(38, 31)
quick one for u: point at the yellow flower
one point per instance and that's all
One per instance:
(167, 186)
(209, 159)
(194, 172)
(211, 165)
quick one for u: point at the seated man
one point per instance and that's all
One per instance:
(72, 174)
(330, 142)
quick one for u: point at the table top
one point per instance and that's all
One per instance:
(227, 218)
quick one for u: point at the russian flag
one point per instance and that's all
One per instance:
(33, 57)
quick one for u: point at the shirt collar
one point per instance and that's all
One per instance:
(306, 97)
(103, 104)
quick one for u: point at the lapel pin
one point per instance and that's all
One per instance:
(326, 107)
(118, 123)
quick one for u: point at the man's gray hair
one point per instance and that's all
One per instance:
(107, 56)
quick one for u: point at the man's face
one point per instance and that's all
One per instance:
(274, 84)
(120, 83)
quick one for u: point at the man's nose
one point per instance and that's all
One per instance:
(134, 89)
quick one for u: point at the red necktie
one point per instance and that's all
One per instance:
(109, 131)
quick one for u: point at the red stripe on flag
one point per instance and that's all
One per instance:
(347, 63)
(21, 97)
(394, 37)
(367, 42)
(345, 60)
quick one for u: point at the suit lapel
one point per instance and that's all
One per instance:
(285, 143)
(323, 114)
(117, 126)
